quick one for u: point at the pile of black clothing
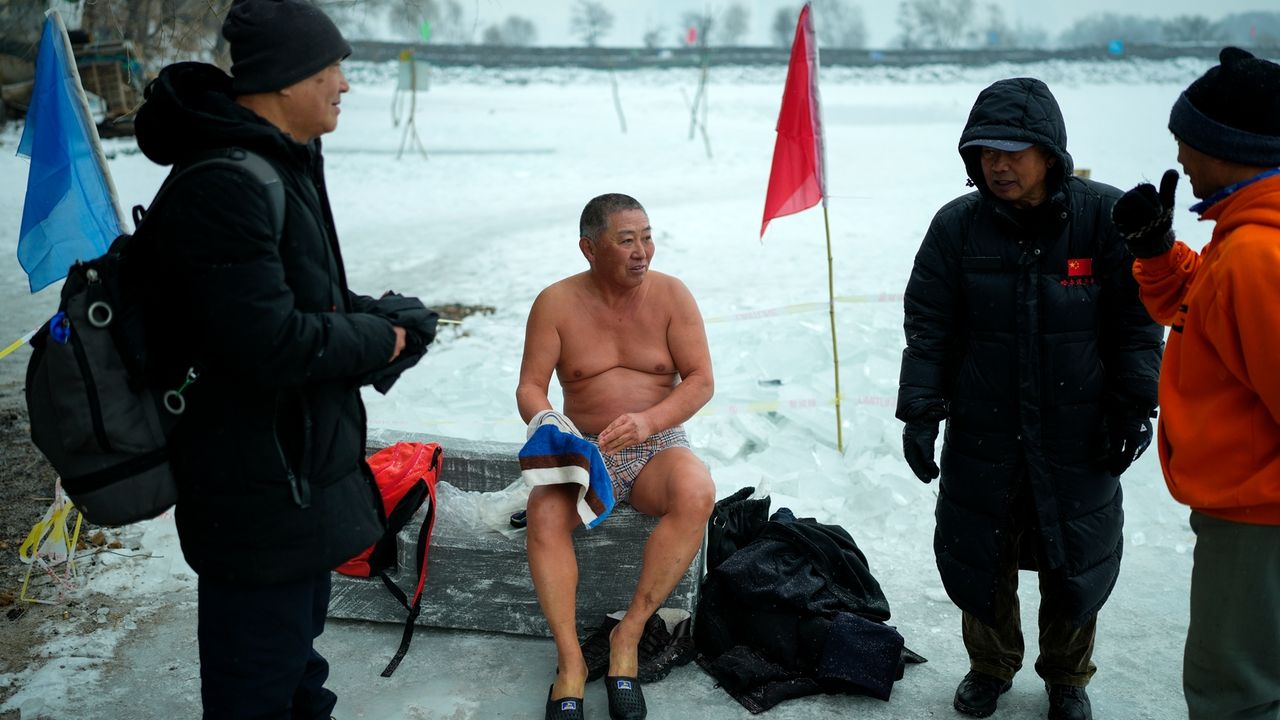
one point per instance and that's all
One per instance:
(789, 608)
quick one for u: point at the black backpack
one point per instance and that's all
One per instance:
(95, 413)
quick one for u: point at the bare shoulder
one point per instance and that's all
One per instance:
(674, 293)
(558, 294)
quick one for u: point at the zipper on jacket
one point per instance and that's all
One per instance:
(91, 388)
(304, 472)
(298, 486)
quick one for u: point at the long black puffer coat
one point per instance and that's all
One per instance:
(1025, 331)
(269, 455)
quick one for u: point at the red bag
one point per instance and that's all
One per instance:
(406, 474)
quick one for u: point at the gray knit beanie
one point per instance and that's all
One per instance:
(276, 43)
(1232, 112)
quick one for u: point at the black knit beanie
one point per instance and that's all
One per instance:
(276, 43)
(1233, 111)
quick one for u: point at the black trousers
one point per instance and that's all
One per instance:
(1066, 651)
(257, 660)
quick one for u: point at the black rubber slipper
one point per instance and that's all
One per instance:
(565, 708)
(626, 701)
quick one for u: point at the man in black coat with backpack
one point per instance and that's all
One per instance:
(274, 490)
(1025, 333)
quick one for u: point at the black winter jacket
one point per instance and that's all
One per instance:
(796, 611)
(269, 455)
(1025, 331)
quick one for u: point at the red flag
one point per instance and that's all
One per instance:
(797, 180)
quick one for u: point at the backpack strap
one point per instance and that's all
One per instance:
(245, 161)
(414, 605)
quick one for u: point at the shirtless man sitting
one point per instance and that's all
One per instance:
(630, 352)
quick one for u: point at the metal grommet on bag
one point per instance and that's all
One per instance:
(174, 402)
(99, 314)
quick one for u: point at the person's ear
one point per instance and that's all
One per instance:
(588, 250)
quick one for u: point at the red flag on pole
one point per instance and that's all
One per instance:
(797, 180)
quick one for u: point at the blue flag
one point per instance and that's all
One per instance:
(69, 213)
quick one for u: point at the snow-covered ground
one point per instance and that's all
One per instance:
(490, 217)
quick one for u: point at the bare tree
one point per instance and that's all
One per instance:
(1192, 29)
(838, 24)
(783, 29)
(653, 36)
(935, 23)
(1257, 28)
(733, 25)
(159, 30)
(445, 17)
(993, 31)
(515, 31)
(1095, 30)
(590, 21)
(990, 29)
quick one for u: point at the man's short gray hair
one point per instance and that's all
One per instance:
(595, 216)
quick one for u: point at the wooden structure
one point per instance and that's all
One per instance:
(109, 70)
(112, 72)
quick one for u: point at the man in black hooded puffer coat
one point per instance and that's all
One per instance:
(269, 455)
(1025, 333)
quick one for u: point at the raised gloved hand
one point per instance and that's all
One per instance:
(418, 321)
(1144, 218)
(918, 439)
(1129, 438)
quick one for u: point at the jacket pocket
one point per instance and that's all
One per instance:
(981, 264)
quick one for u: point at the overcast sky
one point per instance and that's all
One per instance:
(634, 17)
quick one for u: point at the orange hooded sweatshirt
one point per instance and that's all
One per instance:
(1219, 438)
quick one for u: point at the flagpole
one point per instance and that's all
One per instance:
(831, 310)
(94, 140)
(821, 140)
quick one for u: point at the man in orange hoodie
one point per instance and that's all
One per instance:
(1219, 436)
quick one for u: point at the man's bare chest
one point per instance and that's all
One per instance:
(594, 343)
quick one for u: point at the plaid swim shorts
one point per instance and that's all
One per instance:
(625, 465)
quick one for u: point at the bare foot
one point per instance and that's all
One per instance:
(623, 649)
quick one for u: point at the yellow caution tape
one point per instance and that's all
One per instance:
(18, 343)
(49, 537)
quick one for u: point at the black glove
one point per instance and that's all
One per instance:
(384, 377)
(1145, 219)
(418, 321)
(918, 439)
(1129, 438)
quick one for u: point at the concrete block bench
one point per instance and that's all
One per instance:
(479, 580)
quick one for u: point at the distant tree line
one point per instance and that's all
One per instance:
(163, 30)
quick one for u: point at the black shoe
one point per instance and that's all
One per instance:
(979, 692)
(1067, 702)
(595, 649)
(661, 650)
(626, 701)
(565, 708)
